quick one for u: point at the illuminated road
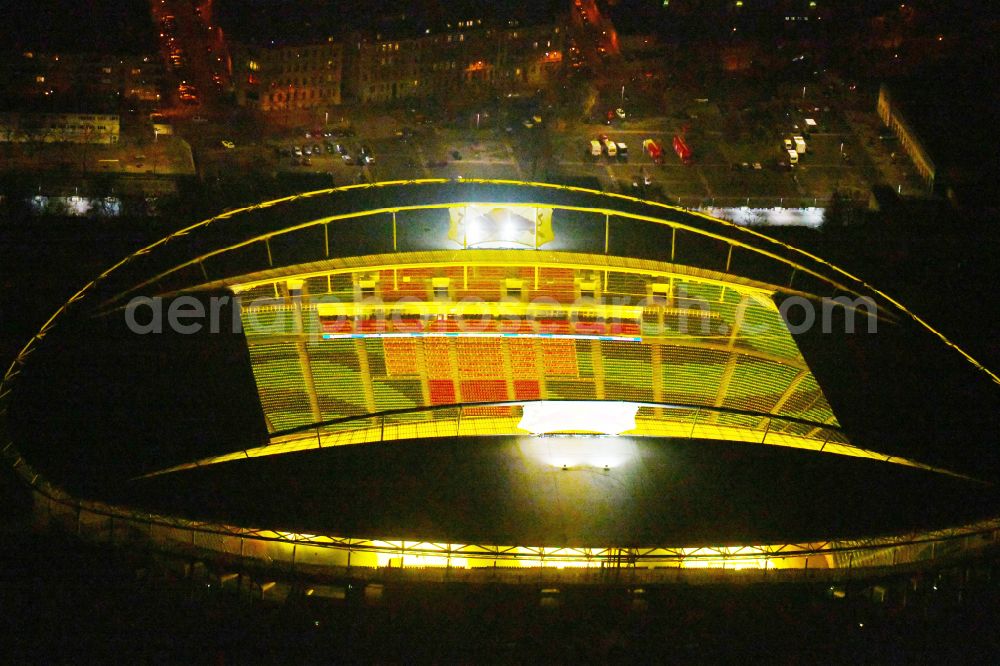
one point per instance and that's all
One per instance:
(202, 47)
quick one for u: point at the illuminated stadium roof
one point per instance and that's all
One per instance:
(578, 331)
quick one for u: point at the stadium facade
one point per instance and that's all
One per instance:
(585, 327)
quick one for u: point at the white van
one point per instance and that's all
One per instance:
(595, 148)
(610, 146)
(793, 157)
(800, 144)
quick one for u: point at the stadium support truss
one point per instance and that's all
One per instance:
(578, 292)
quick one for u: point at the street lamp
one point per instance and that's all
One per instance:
(803, 92)
(623, 96)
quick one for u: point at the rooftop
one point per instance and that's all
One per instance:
(300, 21)
(118, 27)
(139, 404)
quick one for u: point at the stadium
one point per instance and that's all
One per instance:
(499, 381)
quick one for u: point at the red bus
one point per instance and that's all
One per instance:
(682, 150)
(654, 151)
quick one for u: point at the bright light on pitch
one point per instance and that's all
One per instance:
(580, 452)
(549, 416)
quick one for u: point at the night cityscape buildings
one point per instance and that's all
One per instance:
(438, 331)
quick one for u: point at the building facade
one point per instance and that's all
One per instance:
(287, 77)
(466, 57)
(18, 127)
(100, 78)
(892, 116)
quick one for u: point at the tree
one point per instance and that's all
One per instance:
(590, 98)
(841, 212)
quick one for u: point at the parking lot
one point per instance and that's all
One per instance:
(733, 163)
(404, 153)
